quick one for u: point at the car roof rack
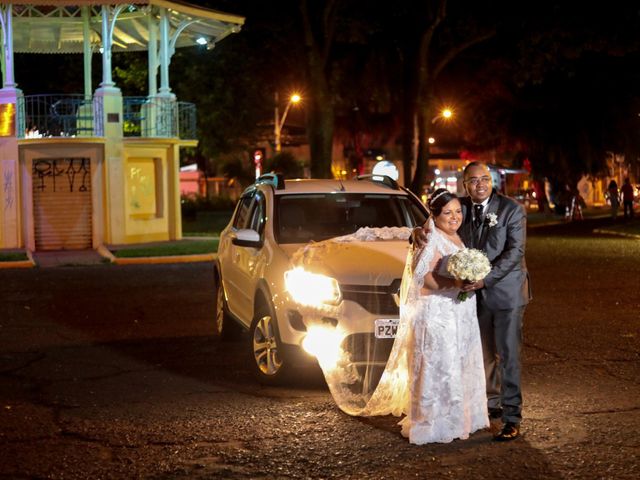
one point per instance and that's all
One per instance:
(384, 179)
(276, 180)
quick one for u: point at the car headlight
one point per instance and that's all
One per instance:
(324, 343)
(311, 289)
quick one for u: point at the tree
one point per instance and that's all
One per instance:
(561, 90)
(286, 164)
(430, 37)
(319, 21)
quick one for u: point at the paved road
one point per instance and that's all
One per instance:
(111, 372)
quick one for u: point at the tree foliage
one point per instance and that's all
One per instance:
(563, 94)
(286, 164)
(552, 81)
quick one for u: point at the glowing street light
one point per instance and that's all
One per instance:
(446, 114)
(279, 122)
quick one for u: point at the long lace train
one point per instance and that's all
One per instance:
(434, 374)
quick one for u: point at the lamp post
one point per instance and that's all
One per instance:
(278, 122)
(445, 115)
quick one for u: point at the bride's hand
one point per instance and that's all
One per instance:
(471, 286)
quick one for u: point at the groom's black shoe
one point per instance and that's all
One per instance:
(510, 431)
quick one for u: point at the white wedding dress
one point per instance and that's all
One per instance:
(435, 372)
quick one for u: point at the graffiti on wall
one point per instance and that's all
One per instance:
(61, 174)
(142, 186)
(7, 189)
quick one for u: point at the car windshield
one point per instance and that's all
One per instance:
(303, 218)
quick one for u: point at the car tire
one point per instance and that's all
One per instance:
(225, 327)
(269, 361)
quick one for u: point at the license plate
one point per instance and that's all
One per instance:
(386, 327)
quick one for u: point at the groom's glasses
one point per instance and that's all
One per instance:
(476, 180)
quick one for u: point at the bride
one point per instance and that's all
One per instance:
(435, 372)
(446, 381)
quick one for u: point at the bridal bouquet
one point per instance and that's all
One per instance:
(468, 264)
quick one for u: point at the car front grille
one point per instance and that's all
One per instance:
(378, 299)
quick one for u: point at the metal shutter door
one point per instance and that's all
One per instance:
(62, 203)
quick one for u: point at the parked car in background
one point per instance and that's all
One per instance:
(283, 275)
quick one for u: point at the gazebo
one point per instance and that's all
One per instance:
(81, 171)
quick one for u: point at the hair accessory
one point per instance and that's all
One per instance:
(434, 198)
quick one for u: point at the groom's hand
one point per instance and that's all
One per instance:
(471, 286)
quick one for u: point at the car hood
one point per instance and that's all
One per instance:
(352, 263)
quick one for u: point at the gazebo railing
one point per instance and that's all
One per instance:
(158, 117)
(77, 116)
(187, 120)
(149, 117)
(59, 116)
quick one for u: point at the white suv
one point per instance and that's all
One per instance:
(279, 276)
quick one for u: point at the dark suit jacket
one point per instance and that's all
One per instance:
(507, 285)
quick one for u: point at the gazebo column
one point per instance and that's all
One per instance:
(85, 123)
(165, 54)
(11, 128)
(86, 50)
(164, 101)
(108, 123)
(152, 50)
(150, 108)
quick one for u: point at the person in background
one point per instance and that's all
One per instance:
(614, 198)
(627, 198)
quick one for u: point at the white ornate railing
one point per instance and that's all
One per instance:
(42, 116)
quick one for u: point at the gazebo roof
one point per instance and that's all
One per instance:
(48, 26)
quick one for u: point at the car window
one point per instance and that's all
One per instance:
(242, 212)
(417, 214)
(303, 218)
(257, 218)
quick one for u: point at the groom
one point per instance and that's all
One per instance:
(496, 224)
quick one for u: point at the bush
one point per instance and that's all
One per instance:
(191, 205)
(286, 164)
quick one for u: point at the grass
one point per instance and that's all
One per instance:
(13, 256)
(185, 247)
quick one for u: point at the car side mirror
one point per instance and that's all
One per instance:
(247, 238)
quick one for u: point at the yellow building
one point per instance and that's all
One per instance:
(96, 168)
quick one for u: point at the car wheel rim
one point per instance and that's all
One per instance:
(219, 309)
(265, 348)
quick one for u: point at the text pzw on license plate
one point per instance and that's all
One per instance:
(386, 327)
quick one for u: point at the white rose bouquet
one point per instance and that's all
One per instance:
(468, 264)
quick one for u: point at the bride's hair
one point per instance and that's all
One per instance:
(439, 199)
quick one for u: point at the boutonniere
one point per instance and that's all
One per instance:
(492, 219)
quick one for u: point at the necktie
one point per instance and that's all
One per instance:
(477, 215)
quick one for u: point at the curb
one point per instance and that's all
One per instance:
(203, 257)
(30, 263)
(106, 253)
(546, 224)
(17, 264)
(617, 234)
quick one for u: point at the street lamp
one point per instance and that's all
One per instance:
(278, 122)
(446, 113)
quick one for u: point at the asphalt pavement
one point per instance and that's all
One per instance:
(110, 371)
